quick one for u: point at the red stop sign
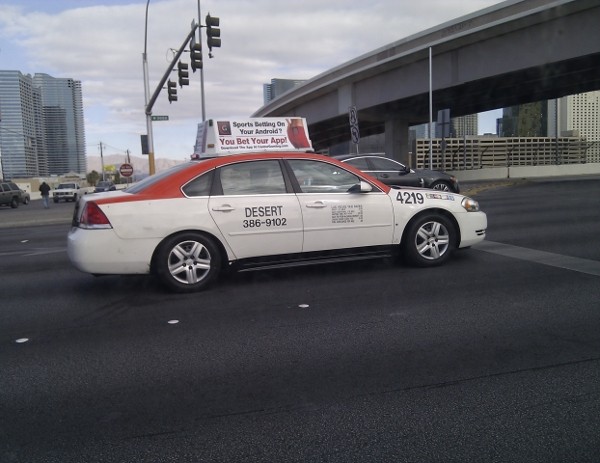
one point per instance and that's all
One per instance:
(126, 170)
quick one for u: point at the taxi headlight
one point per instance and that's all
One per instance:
(470, 204)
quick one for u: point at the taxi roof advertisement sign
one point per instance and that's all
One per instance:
(231, 136)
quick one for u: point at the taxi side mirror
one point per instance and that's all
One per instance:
(362, 187)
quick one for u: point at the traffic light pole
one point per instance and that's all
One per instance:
(213, 40)
(202, 69)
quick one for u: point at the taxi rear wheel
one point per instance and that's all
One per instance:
(429, 241)
(188, 262)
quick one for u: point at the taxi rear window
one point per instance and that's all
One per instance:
(200, 186)
(149, 181)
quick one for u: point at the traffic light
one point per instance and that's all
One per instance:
(196, 55)
(183, 74)
(212, 32)
(172, 91)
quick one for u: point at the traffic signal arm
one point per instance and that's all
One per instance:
(162, 82)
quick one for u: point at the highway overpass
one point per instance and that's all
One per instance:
(515, 52)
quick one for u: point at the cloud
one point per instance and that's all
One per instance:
(102, 46)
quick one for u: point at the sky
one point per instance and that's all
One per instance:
(101, 43)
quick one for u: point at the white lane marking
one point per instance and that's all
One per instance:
(577, 264)
(33, 252)
(173, 322)
(44, 251)
(21, 340)
(304, 306)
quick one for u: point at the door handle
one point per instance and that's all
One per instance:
(224, 208)
(317, 205)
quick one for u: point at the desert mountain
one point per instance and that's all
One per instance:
(112, 162)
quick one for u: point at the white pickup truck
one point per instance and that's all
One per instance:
(68, 191)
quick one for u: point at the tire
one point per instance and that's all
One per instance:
(26, 201)
(187, 262)
(56, 200)
(14, 203)
(429, 241)
(441, 186)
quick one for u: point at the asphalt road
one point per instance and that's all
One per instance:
(35, 214)
(494, 357)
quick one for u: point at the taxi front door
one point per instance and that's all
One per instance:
(335, 218)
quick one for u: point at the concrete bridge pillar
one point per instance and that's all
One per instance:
(396, 140)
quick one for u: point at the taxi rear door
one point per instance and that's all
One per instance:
(255, 213)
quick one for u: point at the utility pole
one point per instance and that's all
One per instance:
(102, 161)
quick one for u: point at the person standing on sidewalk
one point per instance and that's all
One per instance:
(45, 191)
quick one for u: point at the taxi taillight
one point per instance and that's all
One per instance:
(93, 217)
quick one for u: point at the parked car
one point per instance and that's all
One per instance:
(394, 173)
(68, 191)
(263, 210)
(11, 195)
(105, 185)
(25, 198)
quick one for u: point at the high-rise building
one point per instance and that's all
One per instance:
(465, 125)
(278, 87)
(41, 125)
(526, 120)
(577, 115)
(459, 127)
(63, 122)
(22, 147)
(573, 115)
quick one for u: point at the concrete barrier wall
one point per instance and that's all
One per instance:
(499, 173)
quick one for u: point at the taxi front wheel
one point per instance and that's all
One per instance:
(188, 262)
(429, 241)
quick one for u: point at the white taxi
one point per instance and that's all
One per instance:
(264, 210)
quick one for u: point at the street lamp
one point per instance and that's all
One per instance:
(151, 164)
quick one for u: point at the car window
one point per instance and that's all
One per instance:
(359, 163)
(200, 186)
(322, 177)
(386, 164)
(252, 178)
(151, 180)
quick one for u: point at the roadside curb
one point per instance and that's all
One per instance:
(472, 189)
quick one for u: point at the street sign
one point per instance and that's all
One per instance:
(126, 170)
(355, 134)
(353, 118)
(160, 118)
